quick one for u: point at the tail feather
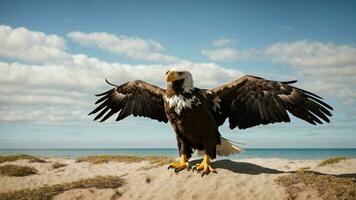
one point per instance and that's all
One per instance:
(225, 148)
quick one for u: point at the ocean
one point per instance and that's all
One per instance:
(297, 154)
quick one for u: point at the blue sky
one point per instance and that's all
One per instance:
(55, 55)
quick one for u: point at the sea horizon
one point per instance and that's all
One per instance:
(284, 153)
(173, 148)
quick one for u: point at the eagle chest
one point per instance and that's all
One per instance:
(182, 110)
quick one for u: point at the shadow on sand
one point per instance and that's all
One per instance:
(252, 169)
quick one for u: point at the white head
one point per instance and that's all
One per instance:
(174, 75)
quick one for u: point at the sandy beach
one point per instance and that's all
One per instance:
(253, 178)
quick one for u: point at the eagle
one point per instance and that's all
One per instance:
(196, 114)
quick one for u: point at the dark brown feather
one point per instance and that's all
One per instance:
(250, 101)
(136, 98)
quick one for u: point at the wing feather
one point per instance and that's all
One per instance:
(102, 113)
(136, 98)
(251, 101)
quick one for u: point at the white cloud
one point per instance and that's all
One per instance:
(223, 42)
(30, 46)
(115, 43)
(228, 54)
(72, 86)
(312, 53)
(131, 47)
(45, 115)
(48, 92)
(323, 67)
(223, 54)
(326, 67)
(51, 92)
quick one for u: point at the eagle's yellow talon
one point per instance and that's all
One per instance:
(212, 169)
(199, 166)
(204, 166)
(179, 166)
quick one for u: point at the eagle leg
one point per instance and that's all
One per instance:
(204, 166)
(181, 165)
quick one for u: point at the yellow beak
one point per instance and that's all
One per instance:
(172, 76)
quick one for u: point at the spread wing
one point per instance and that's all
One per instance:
(136, 98)
(251, 101)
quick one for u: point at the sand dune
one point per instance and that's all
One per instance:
(238, 179)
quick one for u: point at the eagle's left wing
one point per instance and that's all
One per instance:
(250, 101)
(136, 98)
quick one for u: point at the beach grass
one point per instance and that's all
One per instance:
(331, 161)
(57, 165)
(16, 170)
(47, 192)
(328, 186)
(154, 160)
(12, 158)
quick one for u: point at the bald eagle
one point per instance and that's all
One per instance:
(196, 114)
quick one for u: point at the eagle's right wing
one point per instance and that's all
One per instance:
(136, 97)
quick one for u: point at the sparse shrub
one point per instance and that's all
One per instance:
(46, 192)
(156, 160)
(12, 158)
(328, 186)
(16, 170)
(57, 165)
(332, 161)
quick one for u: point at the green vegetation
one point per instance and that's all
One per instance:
(16, 170)
(21, 157)
(332, 161)
(328, 186)
(57, 165)
(154, 160)
(48, 191)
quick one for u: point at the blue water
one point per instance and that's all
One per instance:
(247, 153)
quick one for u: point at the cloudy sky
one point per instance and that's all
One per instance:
(55, 55)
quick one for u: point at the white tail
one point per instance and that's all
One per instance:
(226, 148)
